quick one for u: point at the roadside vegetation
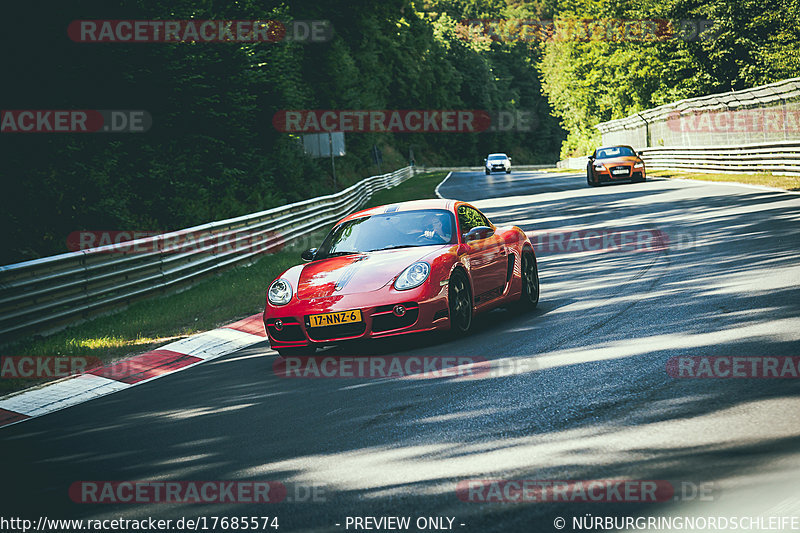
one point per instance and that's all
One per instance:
(212, 151)
(699, 47)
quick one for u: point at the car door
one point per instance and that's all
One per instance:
(488, 257)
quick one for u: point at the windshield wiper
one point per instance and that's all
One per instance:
(394, 247)
(335, 254)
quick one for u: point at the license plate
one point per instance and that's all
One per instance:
(617, 172)
(334, 319)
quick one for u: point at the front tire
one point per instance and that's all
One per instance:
(508, 171)
(529, 298)
(488, 172)
(460, 302)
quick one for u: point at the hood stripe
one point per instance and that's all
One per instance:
(348, 274)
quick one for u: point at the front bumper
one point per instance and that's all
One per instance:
(426, 310)
(606, 176)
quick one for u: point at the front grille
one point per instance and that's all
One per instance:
(625, 175)
(338, 331)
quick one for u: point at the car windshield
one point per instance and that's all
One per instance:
(387, 231)
(615, 151)
(496, 157)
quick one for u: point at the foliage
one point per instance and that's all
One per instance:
(745, 43)
(213, 152)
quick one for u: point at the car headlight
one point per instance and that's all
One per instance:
(280, 292)
(599, 167)
(413, 276)
(639, 165)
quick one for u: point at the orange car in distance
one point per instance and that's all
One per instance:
(614, 163)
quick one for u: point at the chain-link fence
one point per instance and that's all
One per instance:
(766, 114)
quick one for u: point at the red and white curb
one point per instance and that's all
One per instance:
(113, 377)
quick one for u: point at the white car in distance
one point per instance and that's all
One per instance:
(497, 163)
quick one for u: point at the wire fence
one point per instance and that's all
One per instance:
(765, 114)
(755, 130)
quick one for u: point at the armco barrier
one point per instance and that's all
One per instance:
(778, 158)
(48, 293)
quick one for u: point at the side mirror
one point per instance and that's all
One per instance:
(308, 255)
(640, 154)
(591, 158)
(477, 233)
(509, 159)
(485, 160)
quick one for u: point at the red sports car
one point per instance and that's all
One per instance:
(397, 269)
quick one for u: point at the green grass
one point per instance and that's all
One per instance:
(420, 187)
(789, 183)
(213, 302)
(562, 170)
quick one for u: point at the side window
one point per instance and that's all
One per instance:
(469, 217)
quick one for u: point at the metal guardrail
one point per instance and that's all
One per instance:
(781, 158)
(49, 293)
(778, 158)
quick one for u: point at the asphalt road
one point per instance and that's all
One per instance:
(590, 397)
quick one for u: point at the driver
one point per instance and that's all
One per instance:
(435, 231)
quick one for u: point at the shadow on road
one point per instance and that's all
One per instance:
(596, 403)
